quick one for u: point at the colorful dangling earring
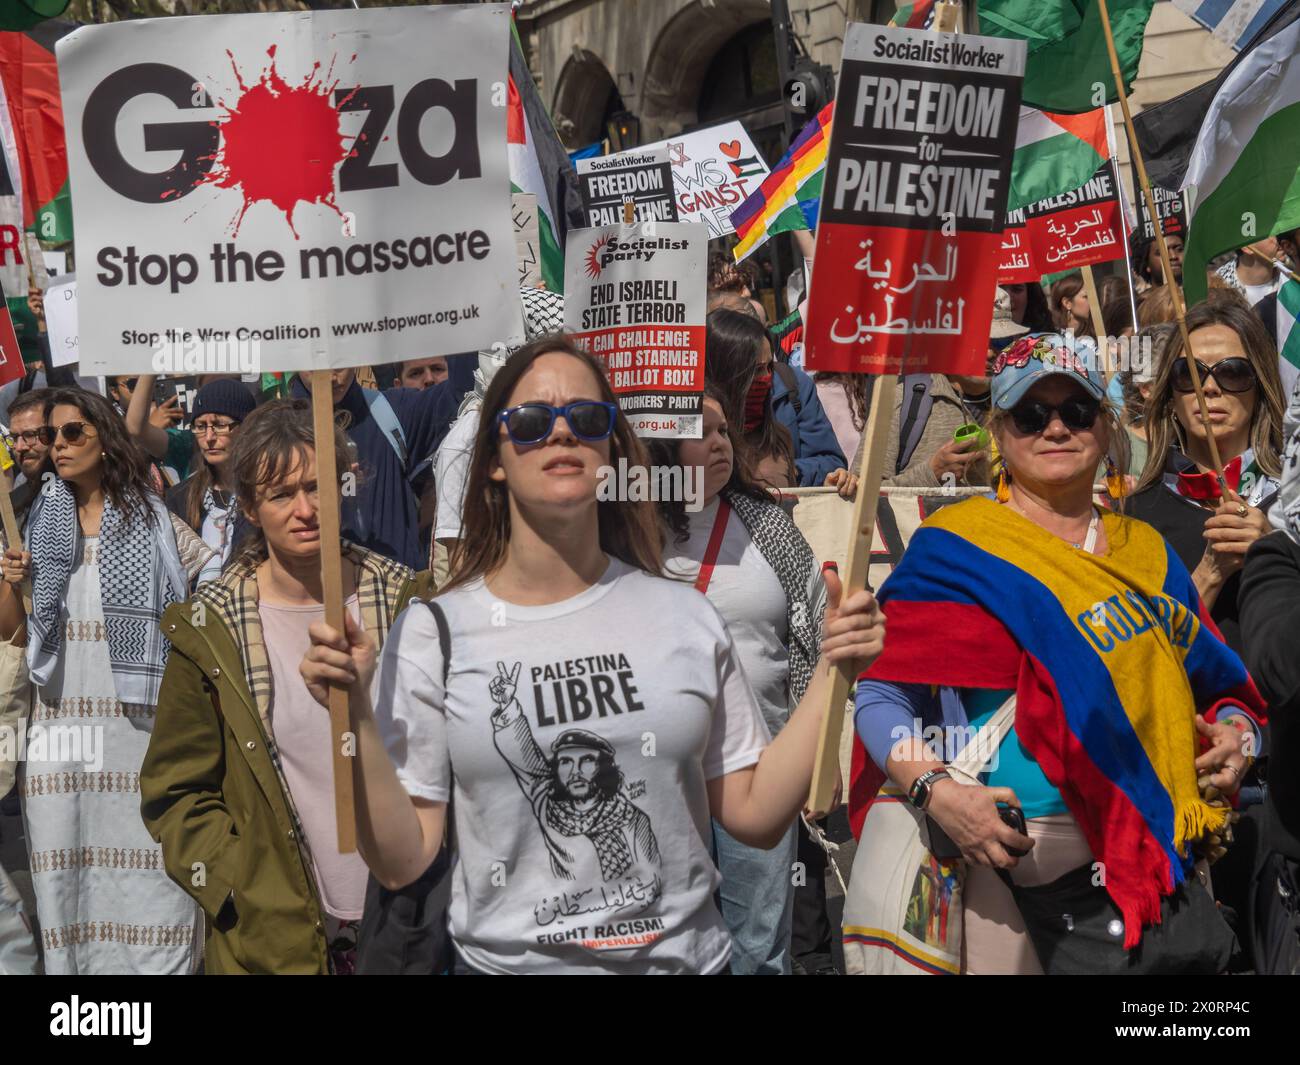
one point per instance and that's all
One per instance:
(1114, 479)
(1004, 483)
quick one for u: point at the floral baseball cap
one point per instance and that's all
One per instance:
(1030, 359)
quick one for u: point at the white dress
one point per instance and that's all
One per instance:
(104, 901)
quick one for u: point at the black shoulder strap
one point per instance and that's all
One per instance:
(919, 400)
(786, 374)
(444, 636)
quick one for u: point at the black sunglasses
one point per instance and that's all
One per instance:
(73, 433)
(531, 423)
(1077, 413)
(1233, 375)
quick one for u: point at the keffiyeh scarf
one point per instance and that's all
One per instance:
(140, 575)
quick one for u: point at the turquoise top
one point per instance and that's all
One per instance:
(1016, 768)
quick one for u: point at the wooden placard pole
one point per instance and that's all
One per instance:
(947, 19)
(1175, 290)
(13, 532)
(331, 566)
(1098, 326)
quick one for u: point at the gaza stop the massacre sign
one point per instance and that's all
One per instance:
(634, 298)
(917, 175)
(290, 191)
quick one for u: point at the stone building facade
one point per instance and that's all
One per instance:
(677, 64)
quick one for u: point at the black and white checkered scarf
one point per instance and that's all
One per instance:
(140, 575)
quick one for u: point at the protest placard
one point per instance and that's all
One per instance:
(11, 357)
(320, 185)
(1016, 263)
(1170, 206)
(61, 320)
(914, 200)
(1080, 227)
(641, 177)
(634, 297)
(523, 215)
(713, 169)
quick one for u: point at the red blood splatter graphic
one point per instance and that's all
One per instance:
(280, 143)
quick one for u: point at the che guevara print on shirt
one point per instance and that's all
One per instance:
(601, 846)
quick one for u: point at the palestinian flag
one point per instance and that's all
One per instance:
(540, 165)
(1067, 57)
(22, 14)
(31, 84)
(918, 16)
(1243, 178)
(1288, 335)
(1055, 153)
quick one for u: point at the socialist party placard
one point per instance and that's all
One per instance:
(634, 297)
(290, 191)
(912, 208)
(1078, 228)
(642, 178)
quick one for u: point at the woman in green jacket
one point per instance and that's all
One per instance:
(237, 785)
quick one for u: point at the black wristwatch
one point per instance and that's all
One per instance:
(919, 793)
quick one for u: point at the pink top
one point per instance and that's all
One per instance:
(301, 727)
(836, 405)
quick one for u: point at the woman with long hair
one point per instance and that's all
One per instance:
(106, 560)
(1124, 694)
(1178, 492)
(238, 775)
(744, 552)
(587, 714)
(782, 424)
(1069, 305)
(205, 500)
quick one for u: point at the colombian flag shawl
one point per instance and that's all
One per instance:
(1110, 657)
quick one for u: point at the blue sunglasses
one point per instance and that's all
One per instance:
(531, 423)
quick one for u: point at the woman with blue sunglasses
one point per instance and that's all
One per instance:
(588, 715)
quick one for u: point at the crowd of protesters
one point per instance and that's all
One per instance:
(585, 728)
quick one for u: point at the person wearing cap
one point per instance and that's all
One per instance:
(205, 500)
(1086, 618)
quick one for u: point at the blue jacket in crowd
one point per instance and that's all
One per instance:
(816, 451)
(385, 513)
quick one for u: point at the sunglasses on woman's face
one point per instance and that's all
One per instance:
(1077, 413)
(73, 432)
(1233, 375)
(531, 423)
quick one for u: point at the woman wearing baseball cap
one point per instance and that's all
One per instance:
(1124, 693)
(205, 500)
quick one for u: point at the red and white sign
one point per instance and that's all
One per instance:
(634, 296)
(329, 187)
(1016, 263)
(914, 199)
(1078, 228)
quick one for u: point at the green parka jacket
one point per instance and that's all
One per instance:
(212, 790)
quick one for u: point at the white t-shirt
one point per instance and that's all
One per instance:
(745, 589)
(450, 472)
(575, 740)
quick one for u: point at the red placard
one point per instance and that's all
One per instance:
(1016, 264)
(11, 357)
(1078, 228)
(913, 204)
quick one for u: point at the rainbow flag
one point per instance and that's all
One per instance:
(1110, 656)
(790, 195)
